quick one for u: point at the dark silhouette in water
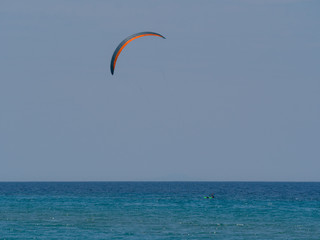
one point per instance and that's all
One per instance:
(211, 196)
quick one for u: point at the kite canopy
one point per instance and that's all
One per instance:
(125, 42)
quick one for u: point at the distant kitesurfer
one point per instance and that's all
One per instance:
(211, 196)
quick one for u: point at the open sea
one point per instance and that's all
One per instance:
(159, 210)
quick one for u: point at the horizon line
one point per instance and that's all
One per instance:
(105, 181)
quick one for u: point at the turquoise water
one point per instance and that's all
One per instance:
(159, 210)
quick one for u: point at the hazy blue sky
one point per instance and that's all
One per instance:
(231, 94)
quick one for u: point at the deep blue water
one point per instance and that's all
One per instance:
(159, 210)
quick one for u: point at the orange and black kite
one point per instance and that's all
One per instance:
(125, 42)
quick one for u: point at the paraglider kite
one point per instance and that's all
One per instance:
(125, 42)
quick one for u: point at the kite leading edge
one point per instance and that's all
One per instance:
(125, 42)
